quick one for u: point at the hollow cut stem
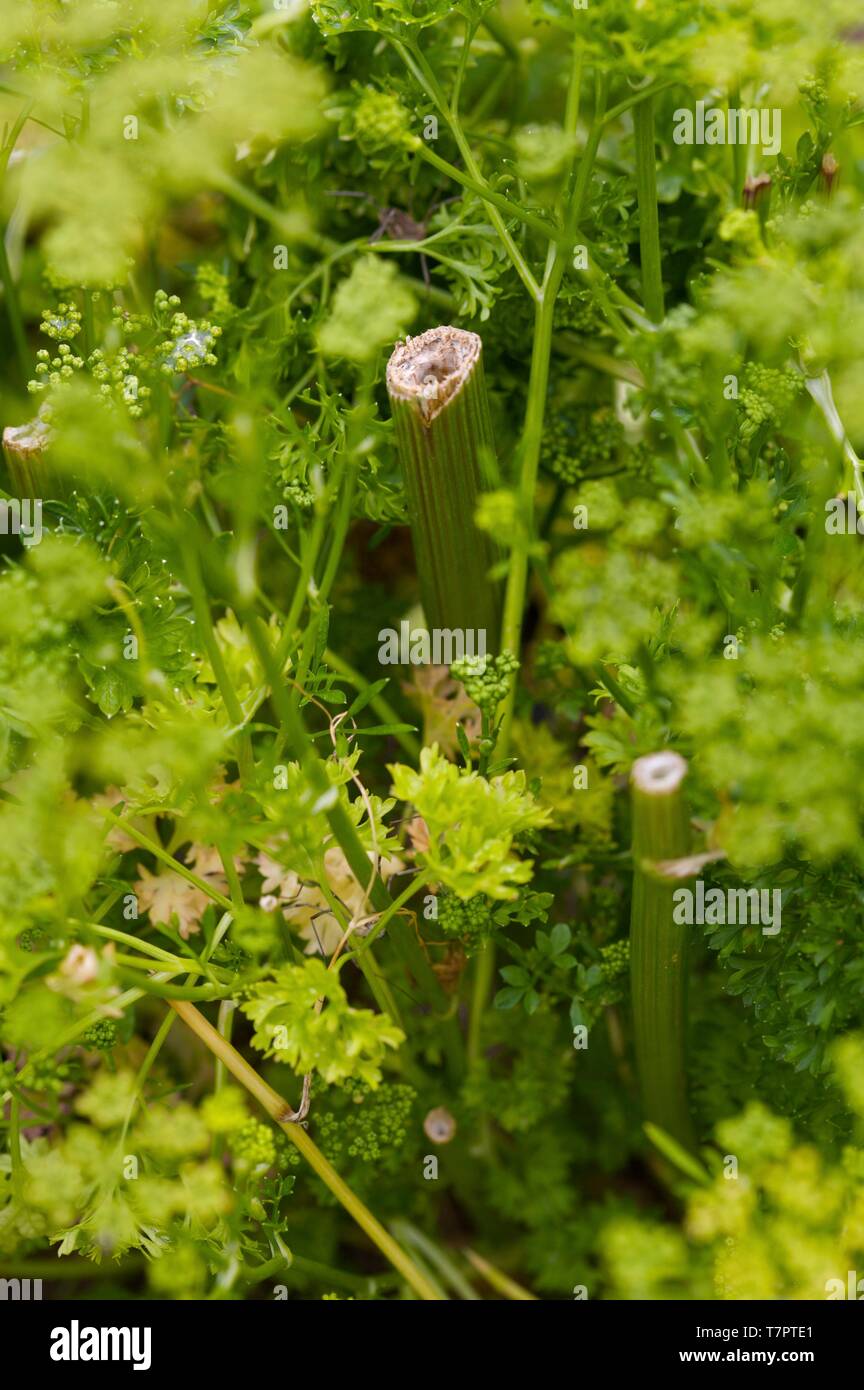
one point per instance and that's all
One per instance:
(443, 431)
(658, 945)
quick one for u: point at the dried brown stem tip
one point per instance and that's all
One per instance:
(431, 369)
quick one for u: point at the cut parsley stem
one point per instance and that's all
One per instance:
(658, 945)
(444, 435)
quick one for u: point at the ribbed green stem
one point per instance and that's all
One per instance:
(441, 414)
(649, 223)
(658, 945)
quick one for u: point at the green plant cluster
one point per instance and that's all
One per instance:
(368, 1125)
(582, 441)
(487, 680)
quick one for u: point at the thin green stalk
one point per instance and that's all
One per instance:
(477, 184)
(311, 549)
(259, 207)
(538, 384)
(247, 198)
(206, 632)
(408, 892)
(687, 446)
(604, 676)
(80, 1026)
(462, 67)
(605, 295)
(739, 153)
(574, 90)
(532, 436)
(571, 127)
(157, 850)
(341, 520)
(443, 432)
(150, 985)
(10, 289)
(69, 1268)
(488, 99)
(13, 310)
(589, 154)
(127, 603)
(529, 462)
(106, 904)
(339, 525)
(312, 545)
(382, 707)
(604, 362)
(144, 1071)
(658, 944)
(420, 69)
(233, 878)
(12, 138)
(278, 1110)
(225, 1027)
(631, 102)
(126, 939)
(649, 222)
(551, 514)
(337, 253)
(286, 1265)
(89, 321)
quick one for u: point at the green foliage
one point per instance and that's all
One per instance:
(364, 1124)
(253, 1146)
(525, 982)
(612, 603)
(784, 1224)
(339, 1042)
(472, 824)
(470, 920)
(370, 309)
(788, 785)
(766, 398)
(581, 441)
(475, 920)
(378, 121)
